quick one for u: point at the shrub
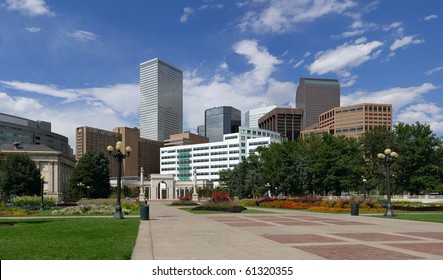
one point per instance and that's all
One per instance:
(183, 203)
(220, 196)
(232, 209)
(88, 210)
(30, 201)
(185, 198)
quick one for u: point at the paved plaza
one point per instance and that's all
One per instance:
(174, 234)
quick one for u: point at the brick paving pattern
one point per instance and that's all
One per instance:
(376, 237)
(429, 248)
(299, 238)
(346, 245)
(355, 252)
(433, 235)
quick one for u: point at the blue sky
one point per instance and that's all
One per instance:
(76, 63)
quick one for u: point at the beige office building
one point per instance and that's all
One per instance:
(185, 138)
(353, 120)
(286, 121)
(145, 153)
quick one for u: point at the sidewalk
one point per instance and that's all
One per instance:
(173, 234)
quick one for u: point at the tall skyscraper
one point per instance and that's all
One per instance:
(316, 96)
(161, 100)
(221, 120)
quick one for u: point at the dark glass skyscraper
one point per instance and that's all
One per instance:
(316, 96)
(221, 120)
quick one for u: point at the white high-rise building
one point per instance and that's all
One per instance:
(161, 100)
(208, 159)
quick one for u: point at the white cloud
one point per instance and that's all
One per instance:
(282, 16)
(51, 90)
(29, 7)
(430, 17)
(343, 58)
(211, 6)
(404, 42)
(393, 25)
(432, 71)
(300, 62)
(398, 97)
(84, 36)
(20, 105)
(187, 12)
(32, 29)
(428, 113)
(104, 108)
(111, 96)
(357, 28)
(250, 89)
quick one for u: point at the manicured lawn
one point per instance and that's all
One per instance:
(436, 217)
(67, 239)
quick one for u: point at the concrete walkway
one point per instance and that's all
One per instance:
(173, 234)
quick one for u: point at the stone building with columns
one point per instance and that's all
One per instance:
(56, 166)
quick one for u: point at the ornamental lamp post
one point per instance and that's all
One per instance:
(364, 187)
(42, 184)
(119, 157)
(388, 158)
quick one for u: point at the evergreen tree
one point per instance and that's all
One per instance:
(20, 176)
(92, 170)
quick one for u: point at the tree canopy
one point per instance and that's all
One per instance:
(321, 165)
(19, 175)
(92, 170)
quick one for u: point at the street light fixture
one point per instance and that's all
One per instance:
(42, 184)
(388, 158)
(364, 187)
(119, 157)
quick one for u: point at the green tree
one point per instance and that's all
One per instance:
(92, 170)
(417, 168)
(20, 176)
(374, 142)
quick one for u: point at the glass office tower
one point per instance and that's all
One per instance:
(161, 100)
(221, 120)
(316, 96)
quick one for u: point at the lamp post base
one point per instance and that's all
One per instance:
(118, 213)
(195, 197)
(389, 211)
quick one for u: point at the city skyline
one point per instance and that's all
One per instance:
(77, 64)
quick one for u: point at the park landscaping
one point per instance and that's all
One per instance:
(30, 206)
(339, 205)
(67, 239)
(336, 205)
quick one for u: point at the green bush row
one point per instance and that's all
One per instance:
(26, 201)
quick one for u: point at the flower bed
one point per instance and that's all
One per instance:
(184, 201)
(318, 204)
(88, 210)
(220, 202)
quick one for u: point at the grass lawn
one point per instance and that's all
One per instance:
(67, 239)
(436, 217)
(249, 211)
